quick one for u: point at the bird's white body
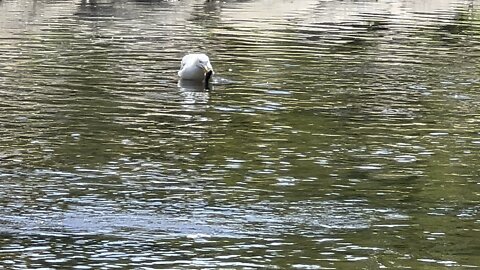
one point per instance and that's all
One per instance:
(195, 67)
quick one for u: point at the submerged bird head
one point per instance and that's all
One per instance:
(196, 67)
(208, 75)
(204, 63)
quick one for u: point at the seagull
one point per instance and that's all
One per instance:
(196, 67)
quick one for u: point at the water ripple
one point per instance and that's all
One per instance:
(335, 134)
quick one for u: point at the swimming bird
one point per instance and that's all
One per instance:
(196, 67)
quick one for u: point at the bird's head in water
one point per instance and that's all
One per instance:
(196, 67)
(204, 64)
(208, 75)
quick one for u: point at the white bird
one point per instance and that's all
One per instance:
(196, 67)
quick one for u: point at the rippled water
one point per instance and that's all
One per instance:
(338, 135)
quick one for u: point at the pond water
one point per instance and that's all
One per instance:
(337, 135)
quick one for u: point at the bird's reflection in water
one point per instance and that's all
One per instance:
(195, 95)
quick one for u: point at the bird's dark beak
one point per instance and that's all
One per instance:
(208, 75)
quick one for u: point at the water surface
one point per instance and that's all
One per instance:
(338, 135)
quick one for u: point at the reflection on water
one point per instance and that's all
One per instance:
(336, 135)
